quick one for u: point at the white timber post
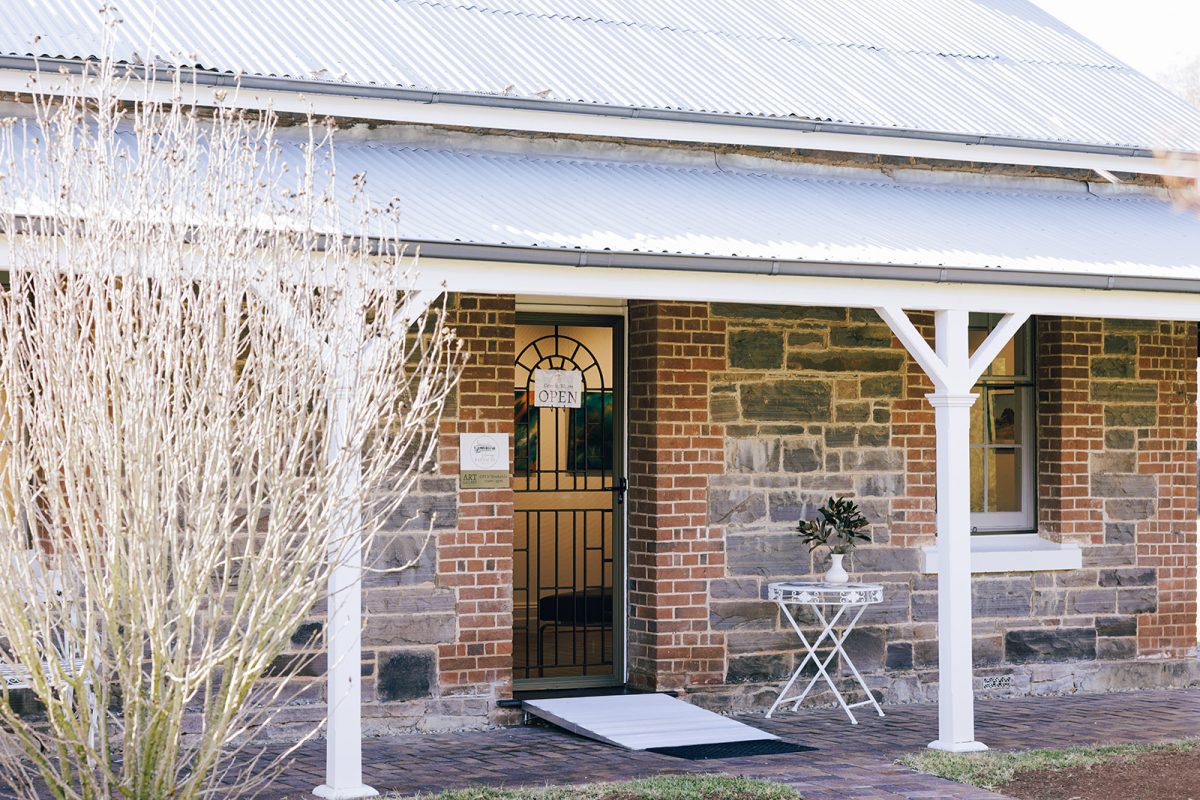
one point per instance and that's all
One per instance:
(343, 736)
(954, 371)
(952, 401)
(344, 357)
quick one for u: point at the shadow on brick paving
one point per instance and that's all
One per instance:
(850, 762)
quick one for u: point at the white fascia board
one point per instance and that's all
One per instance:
(554, 281)
(490, 277)
(1017, 552)
(345, 104)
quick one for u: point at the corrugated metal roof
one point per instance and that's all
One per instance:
(557, 201)
(998, 68)
(568, 203)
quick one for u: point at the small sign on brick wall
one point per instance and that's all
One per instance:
(483, 460)
(557, 388)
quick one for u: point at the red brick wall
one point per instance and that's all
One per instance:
(476, 558)
(914, 516)
(1167, 451)
(1070, 428)
(673, 450)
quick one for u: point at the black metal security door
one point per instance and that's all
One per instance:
(569, 495)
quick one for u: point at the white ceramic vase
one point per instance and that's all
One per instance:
(837, 573)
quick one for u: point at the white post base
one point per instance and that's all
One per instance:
(958, 747)
(345, 793)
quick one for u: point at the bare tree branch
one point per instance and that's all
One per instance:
(191, 425)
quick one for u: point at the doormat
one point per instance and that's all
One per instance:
(706, 752)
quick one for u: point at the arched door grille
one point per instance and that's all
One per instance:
(567, 486)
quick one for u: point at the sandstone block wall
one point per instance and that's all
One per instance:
(820, 402)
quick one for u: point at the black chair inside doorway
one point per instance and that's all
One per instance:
(588, 609)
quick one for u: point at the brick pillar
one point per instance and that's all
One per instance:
(674, 449)
(1166, 541)
(1070, 428)
(1117, 468)
(914, 514)
(475, 559)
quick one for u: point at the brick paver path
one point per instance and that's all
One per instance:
(850, 762)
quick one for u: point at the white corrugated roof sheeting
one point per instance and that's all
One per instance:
(566, 203)
(570, 199)
(999, 68)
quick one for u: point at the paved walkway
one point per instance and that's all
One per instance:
(849, 762)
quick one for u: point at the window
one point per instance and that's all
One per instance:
(1003, 437)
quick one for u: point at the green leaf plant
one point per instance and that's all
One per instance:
(839, 525)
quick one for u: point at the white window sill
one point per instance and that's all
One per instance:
(1012, 552)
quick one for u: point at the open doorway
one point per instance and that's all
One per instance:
(569, 484)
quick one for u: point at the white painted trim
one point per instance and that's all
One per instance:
(414, 306)
(344, 624)
(952, 420)
(570, 305)
(488, 277)
(443, 111)
(1012, 552)
(958, 747)
(624, 507)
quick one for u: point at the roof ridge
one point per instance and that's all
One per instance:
(482, 7)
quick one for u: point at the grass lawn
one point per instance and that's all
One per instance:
(663, 787)
(991, 770)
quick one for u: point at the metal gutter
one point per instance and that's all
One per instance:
(929, 274)
(763, 267)
(202, 77)
(996, 276)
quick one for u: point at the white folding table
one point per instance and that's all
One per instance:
(833, 604)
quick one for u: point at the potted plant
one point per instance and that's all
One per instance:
(840, 526)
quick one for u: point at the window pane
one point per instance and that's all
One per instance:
(1003, 365)
(1004, 479)
(977, 459)
(1004, 416)
(1013, 359)
(1001, 424)
(975, 336)
(1021, 352)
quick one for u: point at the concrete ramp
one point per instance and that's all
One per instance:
(642, 721)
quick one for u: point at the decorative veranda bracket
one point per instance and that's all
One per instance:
(952, 368)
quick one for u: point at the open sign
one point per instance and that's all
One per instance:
(557, 388)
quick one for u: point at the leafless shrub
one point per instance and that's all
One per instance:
(212, 379)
